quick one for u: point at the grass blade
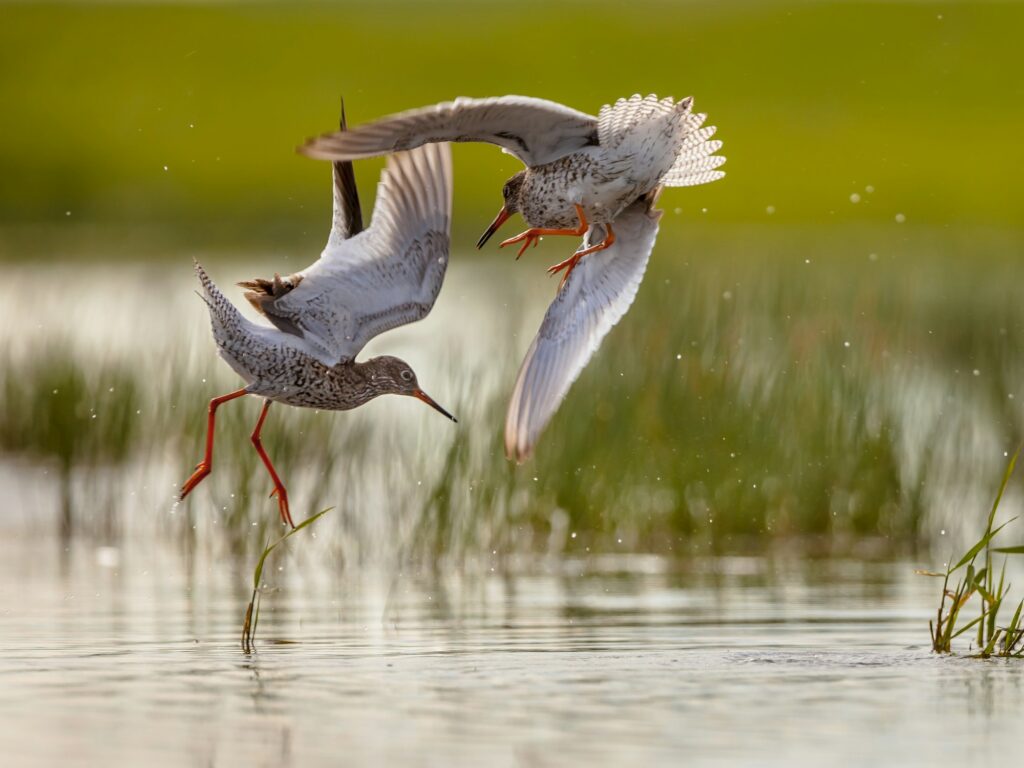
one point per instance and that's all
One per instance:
(252, 611)
(973, 551)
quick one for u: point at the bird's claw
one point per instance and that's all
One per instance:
(201, 471)
(529, 237)
(282, 503)
(568, 265)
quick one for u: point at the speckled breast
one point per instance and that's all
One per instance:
(551, 191)
(290, 376)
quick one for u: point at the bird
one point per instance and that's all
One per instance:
(598, 178)
(593, 299)
(365, 282)
(581, 170)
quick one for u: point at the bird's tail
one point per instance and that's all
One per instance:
(225, 318)
(696, 161)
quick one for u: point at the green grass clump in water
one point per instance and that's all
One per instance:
(992, 640)
(725, 413)
(252, 611)
(69, 415)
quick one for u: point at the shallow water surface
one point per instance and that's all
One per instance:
(131, 656)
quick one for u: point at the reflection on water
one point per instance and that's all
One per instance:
(740, 405)
(131, 657)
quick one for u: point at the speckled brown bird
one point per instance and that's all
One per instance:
(582, 171)
(365, 282)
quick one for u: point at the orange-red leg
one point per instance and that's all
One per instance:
(204, 467)
(279, 491)
(532, 236)
(570, 264)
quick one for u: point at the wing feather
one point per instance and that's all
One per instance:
(347, 219)
(597, 294)
(389, 274)
(537, 131)
(696, 160)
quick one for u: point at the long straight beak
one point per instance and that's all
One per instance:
(421, 395)
(500, 219)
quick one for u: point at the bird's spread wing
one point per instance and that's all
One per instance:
(596, 295)
(389, 274)
(536, 131)
(347, 220)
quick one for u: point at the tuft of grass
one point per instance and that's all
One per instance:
(781, 401)
(992, 639)
(66, 414)
(252, 611)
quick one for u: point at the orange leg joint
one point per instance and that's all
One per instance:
(279, 489)
(204, 467)
(532, 236)
(570, 264)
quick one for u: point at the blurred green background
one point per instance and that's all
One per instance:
(828, 344)
(185, 116)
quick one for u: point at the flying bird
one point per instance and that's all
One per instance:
(593, 299)
(581, 171)
(365, 282)
(592, 177)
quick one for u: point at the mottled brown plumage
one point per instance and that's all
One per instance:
(365, 282)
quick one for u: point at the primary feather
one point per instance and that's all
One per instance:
(537, 131)
(389, 274)
(594, 298)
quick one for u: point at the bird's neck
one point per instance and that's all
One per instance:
(363, 381)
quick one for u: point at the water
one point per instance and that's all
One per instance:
(130, 656)
(543, 638)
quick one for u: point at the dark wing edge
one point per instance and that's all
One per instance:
(597, 294)
(391, 273)
(347, 218)
(535, 130)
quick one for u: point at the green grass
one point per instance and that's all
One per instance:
(980, 582)
(704, 424)
(252, 610)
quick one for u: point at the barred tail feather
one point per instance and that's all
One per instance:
(696, 162)
(225, 318)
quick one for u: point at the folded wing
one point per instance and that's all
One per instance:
(387, 275)
(597, 294)
(536, 131)
(347, 219)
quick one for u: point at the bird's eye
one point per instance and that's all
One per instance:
(505, 191)
(406, 375)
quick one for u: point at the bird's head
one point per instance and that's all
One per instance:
(510, 192)
(396, 377)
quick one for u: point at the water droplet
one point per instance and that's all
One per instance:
(855, 198)
(900, 218)
(770, 210)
